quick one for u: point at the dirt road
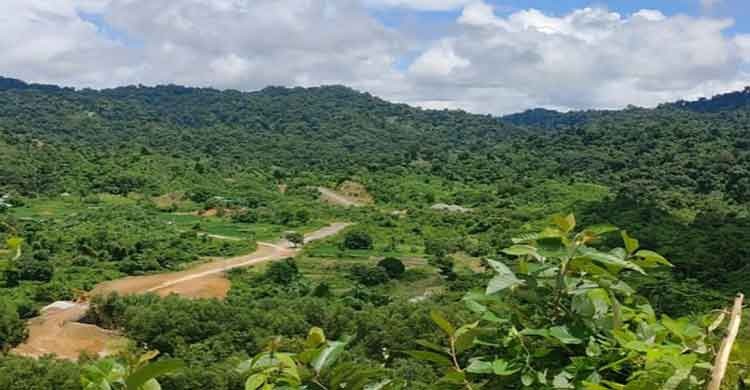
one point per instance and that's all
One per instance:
(334, 197)
(57, 330)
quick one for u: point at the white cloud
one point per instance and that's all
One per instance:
(425, 5)
(484, 62)
(440, 61)
(224, 43)
(743, 44)
(588, 58)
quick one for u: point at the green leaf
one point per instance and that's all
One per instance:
(504, 279)
(454, 377)
(609, 259)
(600, 300)
(566, 223)
(681, 327)
(527, 379)
(593, 349)
(717, 322)
(521, 250)
(562, 381)
(315, 338)
(328, 355)
(432, 346)
(561, 333)
(501, 367)
(439, 319)
(631, 244)
(432, 357)
(598, 230)
(151, 384)
(651, 259)
(255, 381)
(152, 370)
(465, 336)
(477, 366)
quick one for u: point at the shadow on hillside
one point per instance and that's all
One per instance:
(713, 250)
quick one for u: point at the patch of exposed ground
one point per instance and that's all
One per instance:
(347, 194)
(57, 330)
(453, 208)
(168, 200)
(356, 191)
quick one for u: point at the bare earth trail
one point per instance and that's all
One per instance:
(56, 330)
(334, 197)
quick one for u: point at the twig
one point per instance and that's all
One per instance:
(722, 358)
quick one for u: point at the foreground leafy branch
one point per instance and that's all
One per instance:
(562, 316)
(316, 367)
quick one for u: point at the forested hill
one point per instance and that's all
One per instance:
(274, 125)
(61, 139)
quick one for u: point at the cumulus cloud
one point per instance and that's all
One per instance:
(588, 58)
(427, 5)
(224, 43)
(485, 62)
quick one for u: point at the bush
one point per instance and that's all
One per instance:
(369, 276)
(36, 270)
(444, 264)
(282, 272)
(393, 267)
(12, 327)
(295, 238)
(357, 239)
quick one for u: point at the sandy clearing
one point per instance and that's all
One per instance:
(333, 197)
(57, 330)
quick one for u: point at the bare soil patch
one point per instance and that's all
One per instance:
(167, 200)
(57, 330)
(356, 191)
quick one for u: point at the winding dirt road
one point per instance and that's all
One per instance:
(57, 330)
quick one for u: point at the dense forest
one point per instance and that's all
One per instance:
(488, 252)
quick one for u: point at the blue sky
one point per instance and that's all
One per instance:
(739, 10)
(488, 56)
(429, 24)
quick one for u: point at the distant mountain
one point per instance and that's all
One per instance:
(678, 148)
(723, 102)
(547, 119)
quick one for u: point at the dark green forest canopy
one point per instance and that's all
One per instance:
(52, 136)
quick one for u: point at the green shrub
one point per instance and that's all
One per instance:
(393, 267)
(369, 276)
(12, 327)
(358, 239)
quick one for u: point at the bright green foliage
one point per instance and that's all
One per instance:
(563, 316)
(12, 328)
(127, 372)
(315, 367)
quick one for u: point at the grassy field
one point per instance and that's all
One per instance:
(222, 226)
(63, 206)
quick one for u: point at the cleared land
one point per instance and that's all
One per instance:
(57, 330)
